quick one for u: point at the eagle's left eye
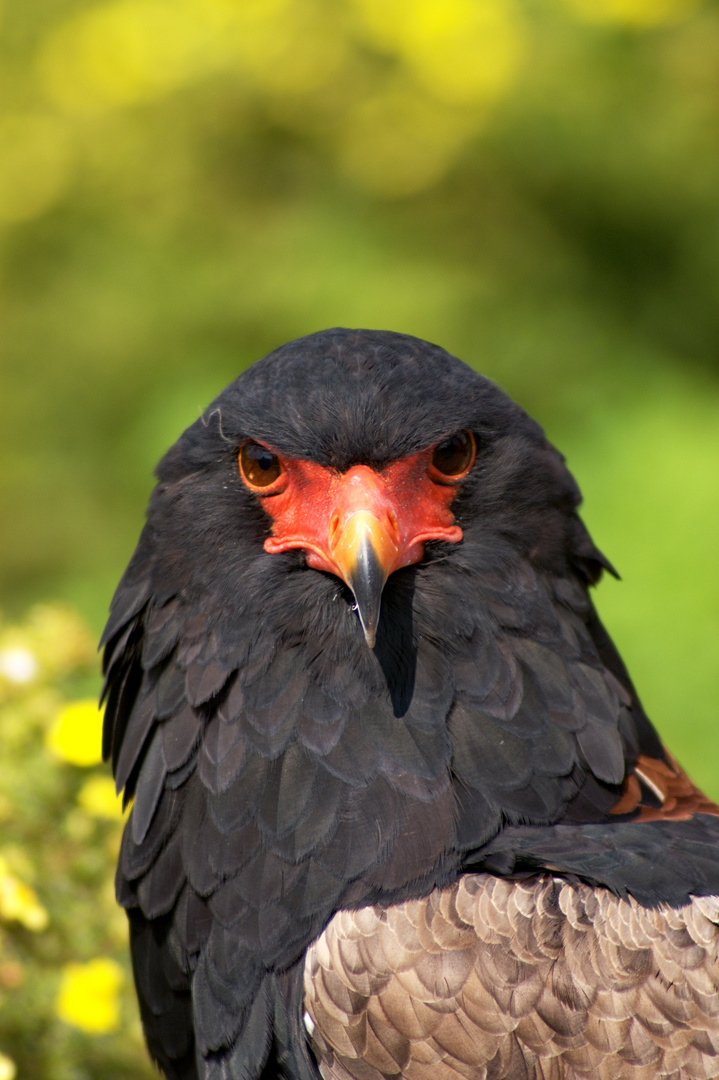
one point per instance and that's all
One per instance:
(454, 456)
(258, 465)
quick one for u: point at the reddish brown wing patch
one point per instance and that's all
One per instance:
(679, 796)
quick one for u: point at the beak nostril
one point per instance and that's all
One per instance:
(334, 526)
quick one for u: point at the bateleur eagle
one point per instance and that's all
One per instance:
(398, 810)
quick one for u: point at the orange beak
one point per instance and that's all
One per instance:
(364, 555)
(361, 525)
(364, 544)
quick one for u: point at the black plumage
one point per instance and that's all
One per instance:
(282, 770)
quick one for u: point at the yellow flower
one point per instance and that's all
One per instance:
(7, 1068)
(76, 734)
(89, 996)
(97, 797)
(19, 902)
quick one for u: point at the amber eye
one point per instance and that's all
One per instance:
(258, 465)
(454, 456)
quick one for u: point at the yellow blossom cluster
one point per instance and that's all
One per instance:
(76, 733)
(89, 995)
(63, 963)
(19, 901)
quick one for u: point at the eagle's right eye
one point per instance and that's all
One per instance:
(259, 467)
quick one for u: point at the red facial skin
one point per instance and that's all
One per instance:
(328, 514)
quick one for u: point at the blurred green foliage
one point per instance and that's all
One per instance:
(184, 184)
(533, 184)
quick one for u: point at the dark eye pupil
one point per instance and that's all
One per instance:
(258, 465)
(454, 455)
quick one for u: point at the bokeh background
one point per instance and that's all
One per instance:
(184, 185)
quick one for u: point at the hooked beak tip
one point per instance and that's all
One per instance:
(366, 580)
(370, 634)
